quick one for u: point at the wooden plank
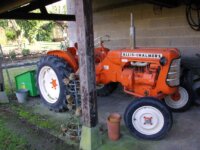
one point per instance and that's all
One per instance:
(8, 66)
(35, 16)
(84, 19)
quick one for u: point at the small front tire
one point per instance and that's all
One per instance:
(148, 118)
(180, 101)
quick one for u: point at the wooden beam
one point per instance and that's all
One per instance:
(85, 38)
(30, 5)
(37, 16)
(7, 5)
(165, 3)
(43, 10)
(35, 5)
(100, 5)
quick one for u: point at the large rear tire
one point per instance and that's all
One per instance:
(148, 118)
(51, 73)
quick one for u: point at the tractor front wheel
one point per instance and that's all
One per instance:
(148, 118)
(180, 101)
(51, 73)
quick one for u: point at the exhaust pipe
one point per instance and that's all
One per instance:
(132, 33)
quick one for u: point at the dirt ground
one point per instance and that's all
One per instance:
(184, 134)
(37, 138)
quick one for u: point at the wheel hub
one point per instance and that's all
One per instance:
(148, 120)
(49, 84)
(54, 83)
(178, 100)
(176, 96)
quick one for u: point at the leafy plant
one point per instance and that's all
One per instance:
(12, 54)
(25, 52)
(45, 32)
(36, 30)
(4, 23)
(28, 26)
(11, 34)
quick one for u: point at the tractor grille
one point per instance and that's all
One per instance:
(173, 77)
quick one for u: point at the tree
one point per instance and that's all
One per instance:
(36, 30)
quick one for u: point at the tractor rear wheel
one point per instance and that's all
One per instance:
(51, 73)
(148, 118)
(106, 89)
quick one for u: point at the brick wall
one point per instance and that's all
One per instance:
(154, 28)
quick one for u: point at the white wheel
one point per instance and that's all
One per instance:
(52, 71)
(49, 84)
(148, 120)
(178, 100)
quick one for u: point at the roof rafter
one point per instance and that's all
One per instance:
(37, 16)
(24, 11)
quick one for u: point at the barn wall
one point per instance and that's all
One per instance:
(167, 27)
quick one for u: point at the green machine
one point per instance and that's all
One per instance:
(27, 81)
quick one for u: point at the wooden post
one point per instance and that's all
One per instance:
(71, 26)
(1, 73)
(8, 75)
(3, 96)
(86, 61)
(84, 19)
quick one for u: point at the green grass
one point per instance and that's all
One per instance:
(36, 119)
(32, 118)
(14, 72)
(9, 140)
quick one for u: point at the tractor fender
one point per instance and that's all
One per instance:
(68, 57)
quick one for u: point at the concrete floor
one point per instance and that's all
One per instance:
(184, 135)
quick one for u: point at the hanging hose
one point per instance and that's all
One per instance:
(193, 14)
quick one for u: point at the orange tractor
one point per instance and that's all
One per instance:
(152, 75)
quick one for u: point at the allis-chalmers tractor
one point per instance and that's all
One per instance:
(152, 75)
